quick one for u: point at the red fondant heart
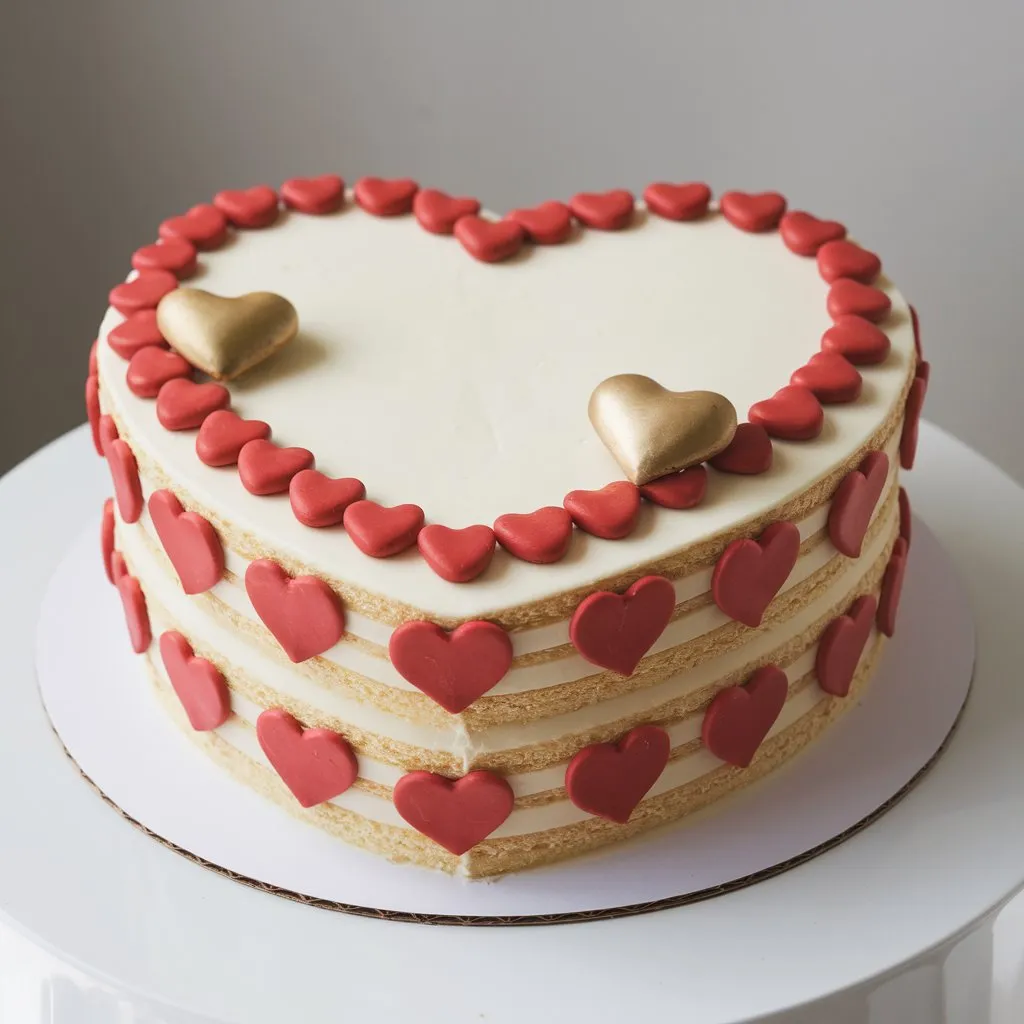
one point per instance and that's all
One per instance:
(905, 516)
(851, 298)
(846, 259)
(107, 538)
(923, 371)
(315, 764)
(108, 433)
(204, 226)
(678, 202)
(791, 414)
(304, 614)
(124, 471)
(607, 211)
(151, 368)
(457, 555)
(135, 614)
(489, 241)
(453, 669)
(841, 646)
(858, 340)
(805, 234)
(182, 404)
(224, 434)
(94, 366)
(892, 588)
(854, 503)
(911, 422)
(319, 500)
(143, 292)
(92, 410)
(610, 513)
(547, 224)
(198, 683)
(740, 717)
(386, 198)
(759, 211)
(915, 322)
(749, 573)
(437, 211)
(254, 207)
(540, 537)
(266, 468)
(323, 194)
(455, 813)
(118, 567)
(190, 541)
(749, 452)
(615, 631)
(678, 490)
(172, 254)
(609, 779)
(380, 531)
(138, 331)
(831, 377)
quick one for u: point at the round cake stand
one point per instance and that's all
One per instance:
(894, 926)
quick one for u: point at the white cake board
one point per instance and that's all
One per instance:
(103, 708)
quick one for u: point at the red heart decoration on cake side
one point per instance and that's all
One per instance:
(455, 813)
(923, 371)
(846, 259)
(175, 255)
(842, 645)
(550, 223)
(315, 764)
(916, 324)
(857, 340)
(453, 669)
(124, 471)
(610, 779)
(204, 226)
(606, 211)
(182, 404)
(805, 234)
(93, 411)
(892, 588)
(749, 452)
(749, 573)
(318, 500)
(615, 631)
(912, 421)
(224, 434)
(610, 513)
(437, 211)
(200, 687)
(254, 207)
(539, 537)
(190, 542)
(739, 719)
(266, 468)
(135, 614)
(678, 490)
(118, 566)
(304, 614)
(385, 198)
(457, 555)
(142, 292)
(323, 194)
(107, 538)
(108, 433)
(151, 368)
(854, 503)
(380, 531)
(755, 212)
(851, 298)
(678, 202)
(137, 332)
(906, 516)
(489, 241)
(830, 377)
(791, 414)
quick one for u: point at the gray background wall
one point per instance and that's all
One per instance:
(901, 119)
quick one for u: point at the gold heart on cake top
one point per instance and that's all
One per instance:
(224, 336)
(652, 431)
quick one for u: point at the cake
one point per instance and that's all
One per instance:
(482, 542)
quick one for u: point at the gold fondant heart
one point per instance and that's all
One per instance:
(652, 431)
(222, 336)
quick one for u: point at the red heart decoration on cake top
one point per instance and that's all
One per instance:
(911, 422)
(224, 434)
(758, 211)
(318, 500)
(142, 292)
(892, 588)
(846, 259)
(304, 614)
(678, 202)
(323, 194)
(200, 687)
(851, 298)
(856, 340)
(457, 555)
(151, 368)
(489, 241)
(135, 614)
(805, 234)
(455, 813)
(92, 409)
(905, 516)
(315, 764)
(606, 211)
(749, 573)
(137, 332)
(190, 542)
(254, 207)
(204, 226)
(615, 631)
(547, 224)
(841, 646)
(791, 414)
(854, 503)
(540, 537)
(916, 324)
(830, 376)
(124, 472)
(453, 669)
(176, 255)
(678, 490)
(610, 779)
(749, 452)
(437, 211)
(381, 532)
(107, 538)
(181, 404)
(266, 468)
(739, 719)
(610, 513)
(385, 198)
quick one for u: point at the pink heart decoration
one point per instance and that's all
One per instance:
(319, 501)
(200, 687)
(191, 543)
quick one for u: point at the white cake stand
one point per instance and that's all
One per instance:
(892, 927)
